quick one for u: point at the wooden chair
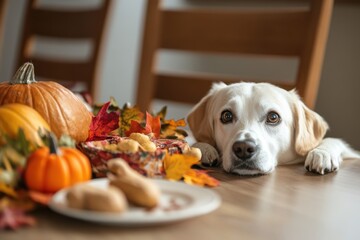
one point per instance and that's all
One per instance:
(3, 5)
(64, 24)
(294, 32)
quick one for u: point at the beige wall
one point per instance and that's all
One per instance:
(338, 100)
(339, 94)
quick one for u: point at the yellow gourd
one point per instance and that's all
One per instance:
(14, 116)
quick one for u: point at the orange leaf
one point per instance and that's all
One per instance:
(200, 177)
(38, 197)
(135, 127)
(175, 124)
(152, 125)
(176, 165)
(169, 128)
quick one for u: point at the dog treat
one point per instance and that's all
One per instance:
(138, 189)
(88, 197)
(128, 146)
(149, 147)
(145, 143)
(209, 155)
(193, 151)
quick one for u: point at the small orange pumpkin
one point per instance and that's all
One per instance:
(60, 108)
(50, 169)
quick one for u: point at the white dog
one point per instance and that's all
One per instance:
(256, 126)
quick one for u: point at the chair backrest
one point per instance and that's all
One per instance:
(64, 24)
(288, 32)
(3, 6)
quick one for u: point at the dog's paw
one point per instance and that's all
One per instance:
(209, 154)
(322, 161)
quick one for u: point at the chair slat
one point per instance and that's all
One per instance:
(70, 24)
(248, 32)
(191, 88)
(58, 70)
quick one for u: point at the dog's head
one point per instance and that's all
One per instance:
(255, 126)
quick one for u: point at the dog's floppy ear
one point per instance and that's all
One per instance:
(310, 127)
(200, 120)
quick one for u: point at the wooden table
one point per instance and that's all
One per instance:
(290, 203)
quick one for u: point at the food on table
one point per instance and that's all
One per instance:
(61, 109)
(84, 196)
(144, 140)
(147, 163)
(125, 186)
(128, 146)
(50, 169)
(138, 189)
(14, 116)
(193, 151)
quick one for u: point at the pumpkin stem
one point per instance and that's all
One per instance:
(24, 75)
(53, 146)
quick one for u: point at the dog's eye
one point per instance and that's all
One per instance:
(226, 116)
(273, 118)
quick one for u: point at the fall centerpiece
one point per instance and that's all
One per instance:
(49, 140)
(127, 133)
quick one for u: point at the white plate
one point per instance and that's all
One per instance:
(178, 201)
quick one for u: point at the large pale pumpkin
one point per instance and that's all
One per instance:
(52, 168)
(63, 111)
(14, 116)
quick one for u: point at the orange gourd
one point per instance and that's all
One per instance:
(60, 108)
(52, 168)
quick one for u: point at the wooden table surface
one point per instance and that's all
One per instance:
(287, 204)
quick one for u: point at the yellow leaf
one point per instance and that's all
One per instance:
(7, 190)
(173, 123)
(177, 164)
(169, 128)
(200, 178)
(127, 115)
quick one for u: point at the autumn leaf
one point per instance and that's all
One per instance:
(13, 218)
(12, 213)
(200, 178)
(39, 197)
(20, 144)
(113, 107)
(103, 123)
(128, 114)
(4, 188)
(152, 125)
(176, 165)
(13, 156)
(169, 129)
(162, 113)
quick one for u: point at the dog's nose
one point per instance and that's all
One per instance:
(244, 149)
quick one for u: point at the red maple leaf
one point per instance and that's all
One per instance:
(152, 125)
(14, 218)
(103, 123)
(12, 212)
